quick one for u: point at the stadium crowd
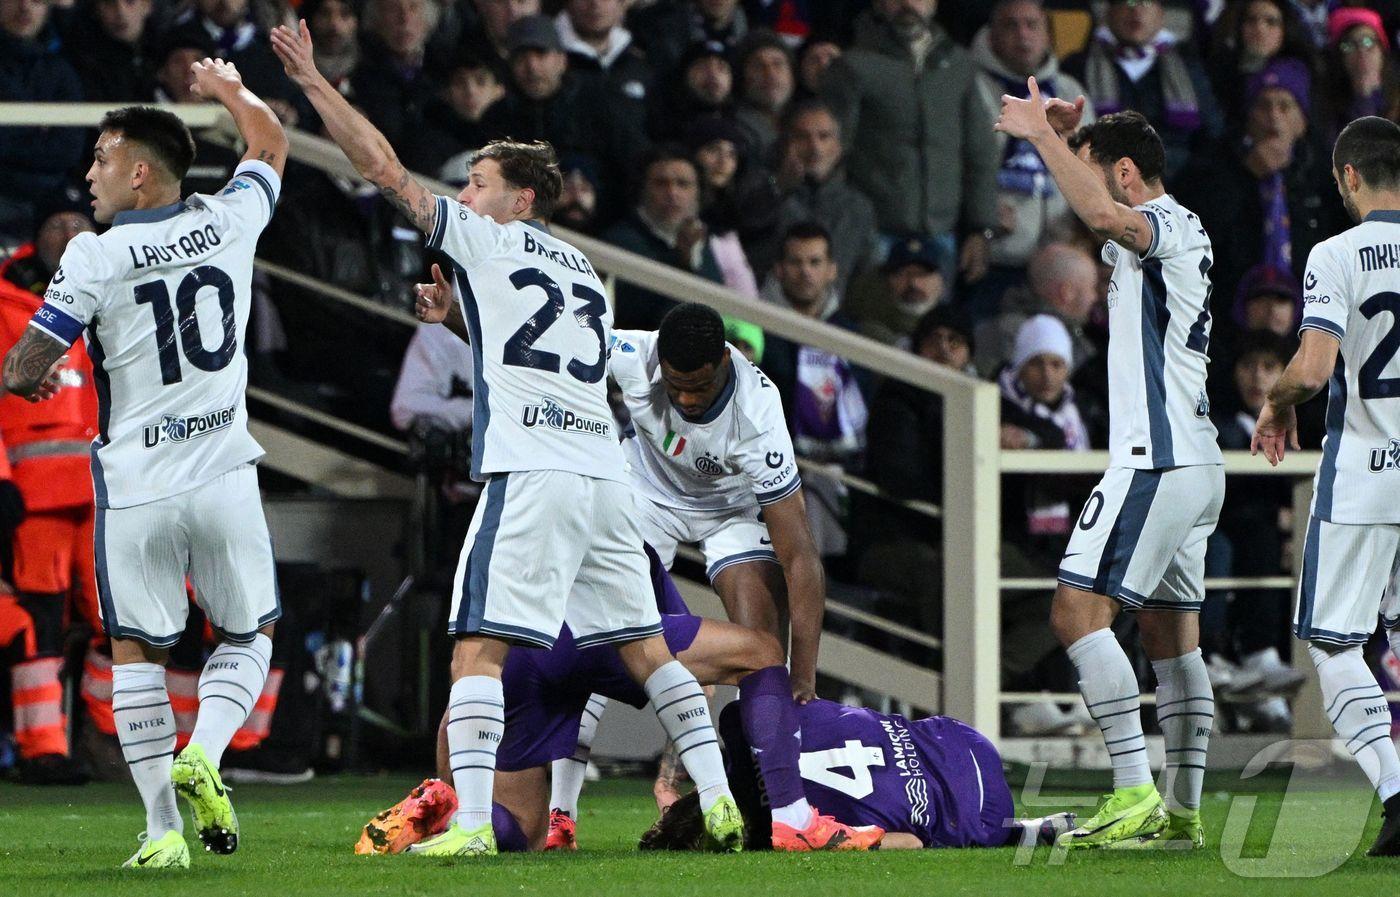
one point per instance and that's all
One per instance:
(834, 157)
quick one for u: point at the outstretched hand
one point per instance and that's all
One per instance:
(434, 299)
(212, 77)
(1024, 119)
(293, 47)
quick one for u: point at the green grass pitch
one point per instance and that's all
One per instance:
(297, 841)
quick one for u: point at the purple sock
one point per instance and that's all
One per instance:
(770, 722)
(509, 836)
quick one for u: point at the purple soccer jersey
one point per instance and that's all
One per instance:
(546, 691)
(936, 778)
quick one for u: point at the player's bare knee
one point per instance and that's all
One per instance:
(763, 650)
(478, 656)
(645, 656)
(127, 650)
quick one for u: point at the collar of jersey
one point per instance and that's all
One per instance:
(537, 224)
(1390, 216)
(721, 402)
(149, 216)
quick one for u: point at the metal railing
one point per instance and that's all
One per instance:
(973, 461)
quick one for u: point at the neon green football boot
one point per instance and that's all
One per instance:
(1124, 818)
(725, 826)
(197, 781)
(458, 842)
(1183, 832)
(169, 851)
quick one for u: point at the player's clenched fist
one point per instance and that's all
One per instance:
(213, 76)
(434, 299)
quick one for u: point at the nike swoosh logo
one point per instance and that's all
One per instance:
(141, 861)
(762, 541)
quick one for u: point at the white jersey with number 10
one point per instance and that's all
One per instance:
(164, 296)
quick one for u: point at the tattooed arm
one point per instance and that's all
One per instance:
(366, 148)
(32, 365)
(670, 776)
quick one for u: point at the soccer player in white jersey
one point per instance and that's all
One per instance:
(1140, 542)
(553, 539)
(1348, 340)
(164, 297)
(711, 462)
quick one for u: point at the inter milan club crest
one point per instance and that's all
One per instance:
(709, 465)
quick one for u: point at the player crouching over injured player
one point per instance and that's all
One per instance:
(932, 782)
(547, 693)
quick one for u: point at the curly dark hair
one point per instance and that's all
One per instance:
(681, 827)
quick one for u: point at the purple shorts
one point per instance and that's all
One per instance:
(546, 692)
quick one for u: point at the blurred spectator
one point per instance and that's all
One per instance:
(1362, 78)
(487, 39)
(1133, 63)
(551, 103)
(240, 38)
(578, 203)
(920, 140)
(1014, 46)
(1061, 281)
(592, 34)
(335, 26)
(810, 185)
(747, 338)
(109, 46)
(1268, 299)
(1314, 16)
(900, 550)
(912, 283)
(701, 87)
(33, 160)
(796, 20)
(60, 217)
(390, 84)
(1249, 36)
(1038, 411)
(820, 391)
(435, 383)
(823, 394)
(667, 28)
(665, 226)
(767, 78)
(1269, 197)
(813, 58)
(452, 121)
(716, 147)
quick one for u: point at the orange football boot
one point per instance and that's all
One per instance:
(561, 832)
(825, 833)
(427, 811)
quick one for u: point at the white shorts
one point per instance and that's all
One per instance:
(216, 535)
(1347, 569)
(548, 547)
(725, 537)
(1141, 538)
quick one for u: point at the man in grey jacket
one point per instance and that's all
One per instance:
(1014, 46)
(907, 99)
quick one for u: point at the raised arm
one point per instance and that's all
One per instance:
(1082, 186)
(366, 148)
(216, 79)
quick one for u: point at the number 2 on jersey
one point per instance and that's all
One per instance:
(520, 349)
(821, 768)
(157, 296)
(1370, 384)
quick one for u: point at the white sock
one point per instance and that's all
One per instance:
(796, 815)
(566, 776)
(1110, 691)
(146, 730)
(680, 704)
(475, 722)
(232, 680)
(1185, 711)
(1355, 704)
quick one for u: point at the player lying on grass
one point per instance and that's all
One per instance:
(933, 782)
(547, 694)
